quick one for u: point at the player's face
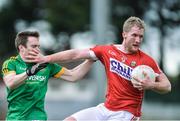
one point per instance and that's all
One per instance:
(133, 38)
(32, 43)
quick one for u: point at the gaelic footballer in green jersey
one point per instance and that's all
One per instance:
(27, 101)
(27, 82)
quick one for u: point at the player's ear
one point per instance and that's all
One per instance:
(21, 48)
(124, 35)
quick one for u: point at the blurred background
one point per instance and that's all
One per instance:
(66, 24)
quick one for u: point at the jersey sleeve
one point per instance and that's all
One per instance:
(97, 51)
(148, 60)
(153, 64)
(155, 67)
(8, 67)
(56, 70)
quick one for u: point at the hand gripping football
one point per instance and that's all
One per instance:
(139, 71)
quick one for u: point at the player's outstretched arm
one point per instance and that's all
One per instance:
(78, 72)
(59, 57)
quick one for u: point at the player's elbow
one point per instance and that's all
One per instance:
(10, 84)
(73, 79)
(168, 88)
(11, 87)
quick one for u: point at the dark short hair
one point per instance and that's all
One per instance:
(22, 38)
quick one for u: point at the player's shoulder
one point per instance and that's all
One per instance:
(145, 55)
(104, 46)
(11, 59)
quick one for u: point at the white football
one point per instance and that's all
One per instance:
(138, 72)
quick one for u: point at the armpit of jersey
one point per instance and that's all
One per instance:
(59, 73)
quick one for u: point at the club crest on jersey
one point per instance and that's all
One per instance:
(120, 68)
(133, 63)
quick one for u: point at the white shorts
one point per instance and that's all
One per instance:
(101, 113)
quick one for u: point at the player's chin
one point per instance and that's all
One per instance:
(135, 49)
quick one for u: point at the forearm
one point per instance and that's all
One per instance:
(163, 86)
(67, 56)
(81, 70)
(78, 72)
(13, 82)
(162, 89)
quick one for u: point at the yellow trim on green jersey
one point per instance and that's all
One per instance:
(8, 72)
(5, 69)
(60, 73)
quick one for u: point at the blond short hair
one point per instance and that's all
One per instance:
(132, 21)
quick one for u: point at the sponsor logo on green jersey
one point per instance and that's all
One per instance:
(36, 78)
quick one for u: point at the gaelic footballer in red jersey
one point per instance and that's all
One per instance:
(123, 97)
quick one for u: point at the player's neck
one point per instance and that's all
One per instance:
(122, 48)
(22, 57)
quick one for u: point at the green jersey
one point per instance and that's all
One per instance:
(26, 102)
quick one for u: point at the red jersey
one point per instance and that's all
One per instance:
(121, 95)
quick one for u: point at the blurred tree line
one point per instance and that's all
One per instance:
(74, 15)
(70, 16)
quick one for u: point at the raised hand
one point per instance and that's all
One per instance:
(35, 56)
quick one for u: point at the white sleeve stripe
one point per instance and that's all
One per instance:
(92, 55)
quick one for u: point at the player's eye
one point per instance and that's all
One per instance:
(134, 35)
(35, 46)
